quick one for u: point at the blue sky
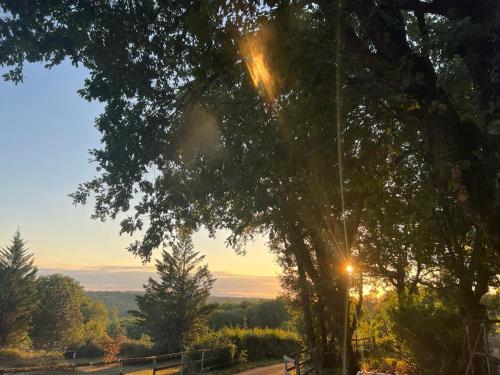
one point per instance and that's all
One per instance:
(46, 130)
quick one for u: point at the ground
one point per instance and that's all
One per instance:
(258, 368)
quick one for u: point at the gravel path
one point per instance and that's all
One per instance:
(268, 370)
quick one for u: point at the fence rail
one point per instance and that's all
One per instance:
(181, 359)
(301, 362)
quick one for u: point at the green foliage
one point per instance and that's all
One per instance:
(137, 348)
(492, 303)
(270, 314)
(422, 336)
(91, 349)
(223, 352)
(376, 324)
(172, 310)
(132, 326)
(95, 319)
(127, 348)
(18, 294)
(58, 321)
(431, 333)
(254, 344)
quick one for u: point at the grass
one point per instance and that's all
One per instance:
(14, 357)
(113, 370)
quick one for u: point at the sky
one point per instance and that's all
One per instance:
(46, 130)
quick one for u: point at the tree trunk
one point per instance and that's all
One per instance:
(306, 305)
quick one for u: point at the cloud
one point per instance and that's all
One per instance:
(132, 278)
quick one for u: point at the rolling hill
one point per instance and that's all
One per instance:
(125, 300)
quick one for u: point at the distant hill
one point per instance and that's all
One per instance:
(125, 301)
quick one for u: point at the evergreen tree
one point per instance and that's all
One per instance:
(58, 321)
(18, 297)
(173, 307)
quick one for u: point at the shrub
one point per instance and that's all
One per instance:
(222, 352)
(431, 333)
(90, 349)
(30, 357)
(136, 348)
(12, 353)
(112, 346)
(254, 344)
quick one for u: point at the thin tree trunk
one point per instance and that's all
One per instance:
(306, 305)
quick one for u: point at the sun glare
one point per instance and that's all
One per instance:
(349, 269)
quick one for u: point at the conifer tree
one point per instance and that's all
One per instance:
(172, 308)
(18, 297)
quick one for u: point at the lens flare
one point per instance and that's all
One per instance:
(349, 269)
(253, 50)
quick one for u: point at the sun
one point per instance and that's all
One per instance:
(349, 269)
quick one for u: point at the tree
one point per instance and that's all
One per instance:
(18, 297)
(95, 319)
(173, 308)
(58, 320)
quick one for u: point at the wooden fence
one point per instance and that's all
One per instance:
(301, 363)
(187, 362)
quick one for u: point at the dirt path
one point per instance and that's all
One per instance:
(268, 370)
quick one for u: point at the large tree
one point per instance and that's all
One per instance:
(58, 321)
(18, 295)
(173, 307)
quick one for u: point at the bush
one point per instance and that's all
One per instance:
(386, 365)
(90, 349)
(431, 333)
(136, 348)
(222, 352)
(254, 344)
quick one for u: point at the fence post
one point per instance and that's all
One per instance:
(486, 348)
(182, 363)
(154, 365)
(202, 358)
(75, 369)
(297, 365)
(121, 367)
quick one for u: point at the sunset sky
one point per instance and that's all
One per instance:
(46, 132)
